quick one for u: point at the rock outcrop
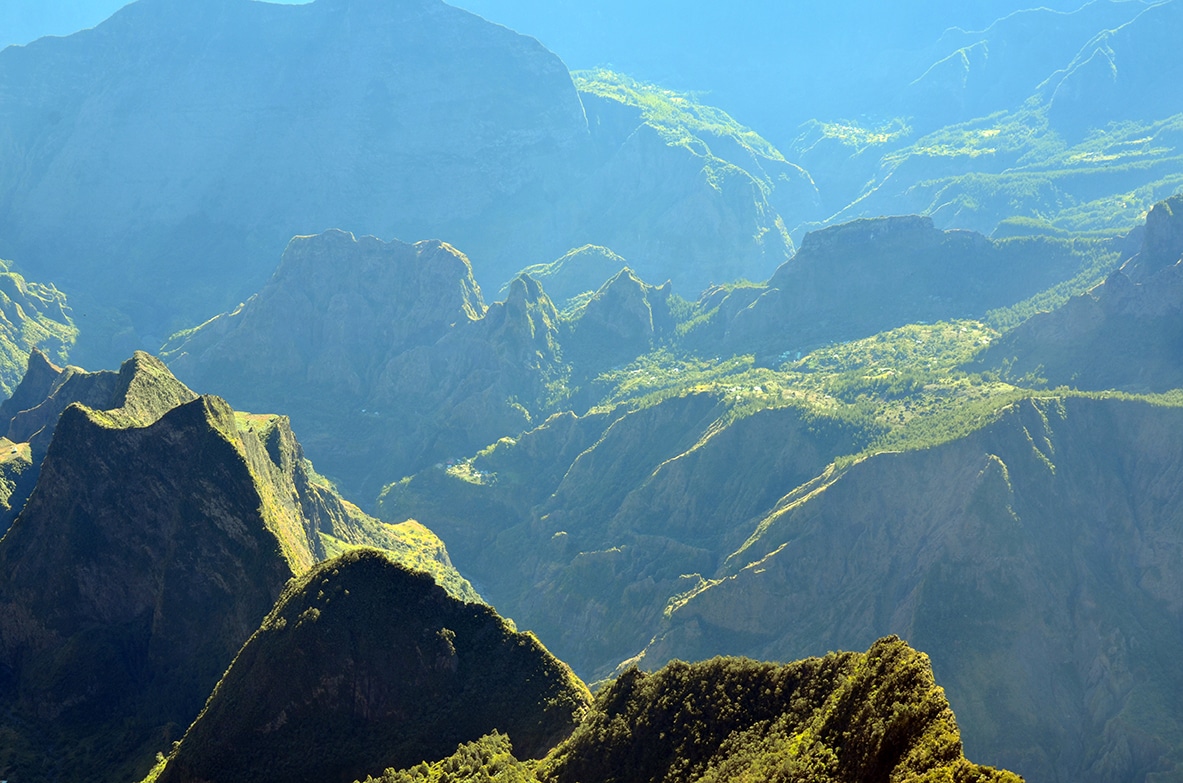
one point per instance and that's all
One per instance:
(364, 665)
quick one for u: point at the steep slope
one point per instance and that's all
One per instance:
(1035, 560)
(1126, 333)
(1068, 120)
(585, 528)
(32, 316)
(874, 716)
(867, 276)
(364, 665)
(384, 354)
(581, 270)
(141, 392)
(151, 547)
(203, 153)
(871, 716)
(681, 181)
(624, 319)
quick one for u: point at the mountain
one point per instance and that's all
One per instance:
(152, 546)
(364, 665)
(873, 716)
(579, 271)
(868, 276)
(587, 526)
(140, 393)
(1126, 333)
(870, 716)
(157, 175)
(624, 319)
(1062, 119)
(384, 354)
(1032, 559)
(32, 316)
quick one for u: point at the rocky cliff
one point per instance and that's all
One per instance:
(867, 276)
(1126, 333)
(141, 392)
(205, 152)
(586, 527)
(384, 354)
(363, 665)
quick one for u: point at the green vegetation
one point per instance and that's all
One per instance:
(847, 717)
(679, 117)
(32, 315)
(487, 760)
(1015, 165)
(364, 664)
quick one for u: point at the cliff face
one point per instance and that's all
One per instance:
(624, 319)
(160, 532)
(363, 665)
(384, 354)
(1126, 333)
(867, 276)
(261, 122)
(206, 151)
(1031, 559)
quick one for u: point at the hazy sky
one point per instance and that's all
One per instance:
(771, 63)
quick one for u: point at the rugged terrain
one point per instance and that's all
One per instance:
(154, 543)
(1126, 333)
(364, 665)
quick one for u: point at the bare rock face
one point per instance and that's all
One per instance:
(1126, 333)
(384, 354)
(363, 665)
(158, 162)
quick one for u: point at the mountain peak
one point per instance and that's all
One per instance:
(363, 665)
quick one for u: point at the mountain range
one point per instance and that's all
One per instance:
(901, 364)
(159, 533)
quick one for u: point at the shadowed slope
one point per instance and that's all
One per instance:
(364, 665)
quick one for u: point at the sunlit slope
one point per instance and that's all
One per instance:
(33, 316)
